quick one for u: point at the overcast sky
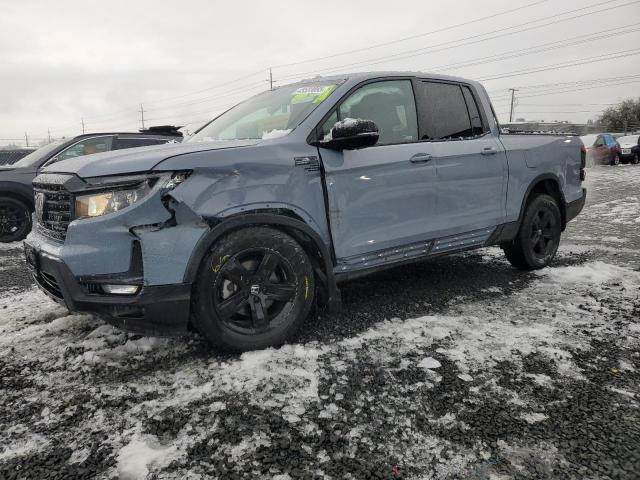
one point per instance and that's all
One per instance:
(184, 61)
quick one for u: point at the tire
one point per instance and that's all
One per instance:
(15, 220)
(538, 238)
(254, 290)
(615, 160)
(636, 159)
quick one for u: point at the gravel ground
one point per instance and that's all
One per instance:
(461, 367)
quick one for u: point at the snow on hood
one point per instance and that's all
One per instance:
(133, 160)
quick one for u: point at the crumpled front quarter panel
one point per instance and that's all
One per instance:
(240, 180)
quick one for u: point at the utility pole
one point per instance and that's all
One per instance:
(270, 78)
(49, 135)
(142, 115)
(82, 123)
(513, 92)
(26, 139)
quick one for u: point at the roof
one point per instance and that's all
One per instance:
(370, 75)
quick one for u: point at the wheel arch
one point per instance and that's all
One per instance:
(285, 220)
(11, 191)
(547, 184)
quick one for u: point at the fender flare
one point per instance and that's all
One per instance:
(290, 225)
(533, 184)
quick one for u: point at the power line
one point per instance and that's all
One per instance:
(412, 37)
(572, 83)
(470, 40)
(545, 47)
(573, 63)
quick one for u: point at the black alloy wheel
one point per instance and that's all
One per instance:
(254, 290)
(15, 220)
(636, 159)
(542, 232)
(615, 160)
(538, 238)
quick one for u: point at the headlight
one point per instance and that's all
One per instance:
(102, 203)
(124, 192)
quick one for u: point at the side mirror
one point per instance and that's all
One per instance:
(350, 134)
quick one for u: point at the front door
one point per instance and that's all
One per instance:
(384, 196)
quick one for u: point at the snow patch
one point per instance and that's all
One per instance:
(429, 363)
(135, 459)
(275, 134)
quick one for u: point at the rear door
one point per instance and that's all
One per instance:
(380, 197)
(471, 164)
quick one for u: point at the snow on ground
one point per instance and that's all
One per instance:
(457, 368)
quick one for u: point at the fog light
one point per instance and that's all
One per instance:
(121, 289)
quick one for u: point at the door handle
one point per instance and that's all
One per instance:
(420, 158)
(489, 151)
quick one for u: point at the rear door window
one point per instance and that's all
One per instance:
(124, 142)
(443, 112)
(477, 125)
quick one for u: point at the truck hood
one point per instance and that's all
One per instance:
(10, 169)
(142, 159)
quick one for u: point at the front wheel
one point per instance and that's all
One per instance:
(538, 238)
(15, 220)
(254, 290)
(615, 160)
(635, 160)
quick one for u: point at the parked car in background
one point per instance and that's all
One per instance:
(9, 156)
(602, 149)
(630, 149)
(16, 190)
(238, 231)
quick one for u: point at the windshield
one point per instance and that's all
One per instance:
(628, 139)
(270, 114)
(35, 157)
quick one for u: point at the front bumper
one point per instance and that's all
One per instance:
(161, 310)
(575, 207)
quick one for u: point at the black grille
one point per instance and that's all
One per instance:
(54, 210)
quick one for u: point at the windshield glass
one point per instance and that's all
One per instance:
(270, 114)
(35, 157)
(628, 139)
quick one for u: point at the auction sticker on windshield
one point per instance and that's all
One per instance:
(312, 93)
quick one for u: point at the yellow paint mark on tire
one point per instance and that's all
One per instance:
(216, 268)
(306, 287)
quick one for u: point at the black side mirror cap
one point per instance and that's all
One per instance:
(351, 134)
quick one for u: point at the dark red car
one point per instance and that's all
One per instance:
(602, 149)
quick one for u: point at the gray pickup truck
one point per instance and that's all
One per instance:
(260, 215)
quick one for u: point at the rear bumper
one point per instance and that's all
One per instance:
(575, 207)
(161, 310)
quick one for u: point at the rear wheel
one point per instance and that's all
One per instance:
(255, 290)
(615, 160)
(635, 160)
(15, 219)
(538, 237)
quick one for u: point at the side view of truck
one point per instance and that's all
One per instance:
(262, 213)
